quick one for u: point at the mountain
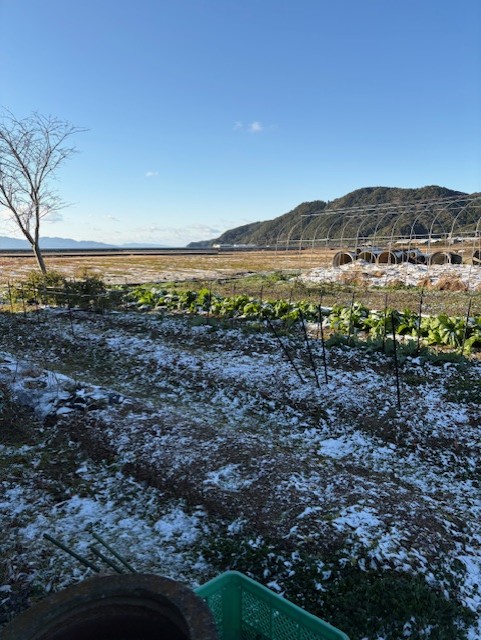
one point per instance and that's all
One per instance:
(52, 243)
(144, 245)
(13, 243)
(67, 243)
(360, 214)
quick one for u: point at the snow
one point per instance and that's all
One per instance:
(361, 520)
(407, 273)
(228, 478)
(343, 446)
(201, 435)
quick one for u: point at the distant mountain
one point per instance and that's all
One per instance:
(67, 243)
(144, 245)
(13, 243)
(341, 218)
(52, 243)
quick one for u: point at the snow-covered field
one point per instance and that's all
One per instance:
(184, 444)
(405, 273)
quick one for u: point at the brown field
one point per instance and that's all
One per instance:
(225, 274)
(128, 269)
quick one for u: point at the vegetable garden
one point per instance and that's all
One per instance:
(193, 426)
(354, 320)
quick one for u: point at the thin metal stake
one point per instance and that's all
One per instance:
(10, 295)
(350, 320)
(210, 306)
(309, 350)
(37, 306)
(321, 329)
(107, 560)
(286, 323)
(112, 551)
(69, 311)
(466, 325)
(72, 553)
(284, 349)
(396, 365)
(23, 303)
(385, 324)
(421, 300)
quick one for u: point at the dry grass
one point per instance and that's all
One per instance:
(355, 277)
(424, 283)
(224, 272)
(127, 269)
(450, 283)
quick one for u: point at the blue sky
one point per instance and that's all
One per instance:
(203, 115)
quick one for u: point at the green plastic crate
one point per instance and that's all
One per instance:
(246, 610)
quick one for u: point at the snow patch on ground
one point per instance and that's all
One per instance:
(408, 274)
(200, 432)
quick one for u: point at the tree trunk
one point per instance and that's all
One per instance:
(39, 257)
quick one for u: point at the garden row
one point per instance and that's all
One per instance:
(351, 320)
(442, 330)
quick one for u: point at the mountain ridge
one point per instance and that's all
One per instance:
(54, 242)
(305, 219)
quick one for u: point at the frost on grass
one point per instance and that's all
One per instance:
(196, 449)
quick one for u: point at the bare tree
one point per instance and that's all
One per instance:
(31, 151)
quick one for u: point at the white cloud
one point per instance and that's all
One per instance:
(174, 236)
(52, 217)
(256, 127)
(151, 174)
